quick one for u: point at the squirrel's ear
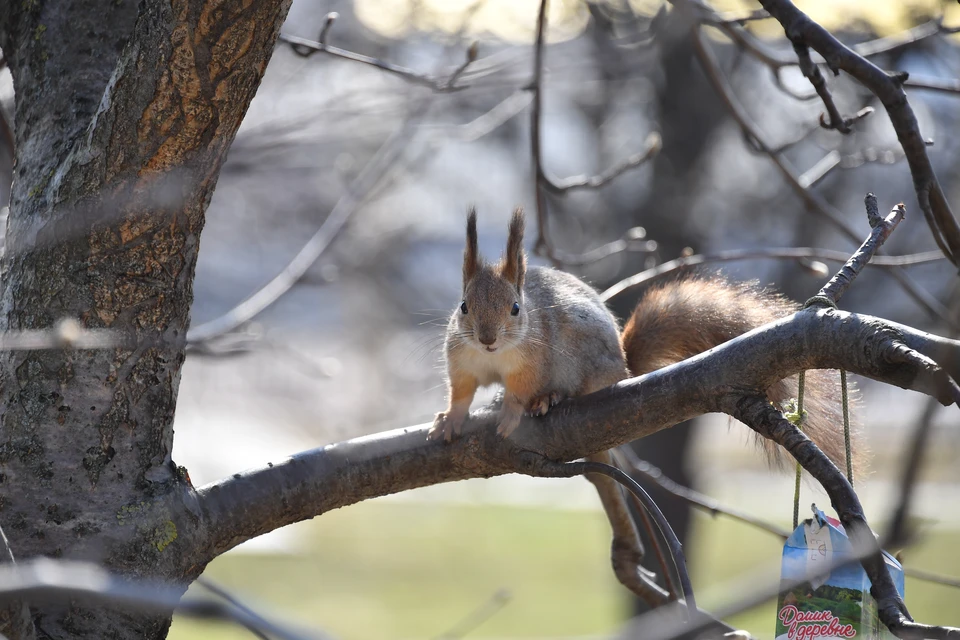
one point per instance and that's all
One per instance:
(514, 266)
(471, 257)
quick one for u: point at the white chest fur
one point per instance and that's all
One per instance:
(489, 368)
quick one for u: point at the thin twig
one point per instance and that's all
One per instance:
(549, 468)
(734, 18)
(67, 334)
(800, 29)
(542, 245)
(661, 557)
(929, 576)
(67, 581)
(219, 591)
(734, 255)
(306, 48)
(942, 85)
(812, 73)
(382, 163)
(634, 240)
(651, 148)
(629, 459)
(897, 532)
(475, 618)
(881, 230)
(543, 183)
(811, 199)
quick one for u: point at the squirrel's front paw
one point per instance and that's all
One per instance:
(539, 405)
(445, 426)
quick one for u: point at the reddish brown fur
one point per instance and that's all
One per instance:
(681, 319)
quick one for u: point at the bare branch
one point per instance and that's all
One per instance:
(486, 611)
(542, 182)
(652, 147)
(734, 255)
(220, 592)
(942, 85)
(68, 581)
(733, 18)
(634, 240)
(800, 29)
(542, 244)
(882, 228)
(550, 469)
(812, 73)
(929, 576)
(384, 161)
(314, 482)
(635, 465)
(306, 48)
(812, 200)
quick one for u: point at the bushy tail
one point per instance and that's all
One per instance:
(681, 319)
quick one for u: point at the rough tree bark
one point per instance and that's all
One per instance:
(124, 114)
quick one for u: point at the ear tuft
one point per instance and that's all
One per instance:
(471, 256)
(514, 264)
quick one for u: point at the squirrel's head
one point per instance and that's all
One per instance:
(492, 317)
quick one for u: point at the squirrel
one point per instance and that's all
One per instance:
(545, 335)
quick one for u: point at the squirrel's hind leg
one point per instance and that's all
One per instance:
(626, 550)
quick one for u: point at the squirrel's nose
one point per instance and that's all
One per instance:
(487, 340)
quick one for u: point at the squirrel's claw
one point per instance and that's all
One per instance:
(444, 427)
(539, 405)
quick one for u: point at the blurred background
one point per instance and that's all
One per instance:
(373, 173)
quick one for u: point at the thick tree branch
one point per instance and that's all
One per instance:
(314, 482)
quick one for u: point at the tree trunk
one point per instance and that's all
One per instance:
(123, 120)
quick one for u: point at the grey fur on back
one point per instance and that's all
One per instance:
(582, 323)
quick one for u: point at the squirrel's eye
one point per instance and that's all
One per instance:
(463, 307)
(516, 309)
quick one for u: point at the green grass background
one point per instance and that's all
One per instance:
(385, 569)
